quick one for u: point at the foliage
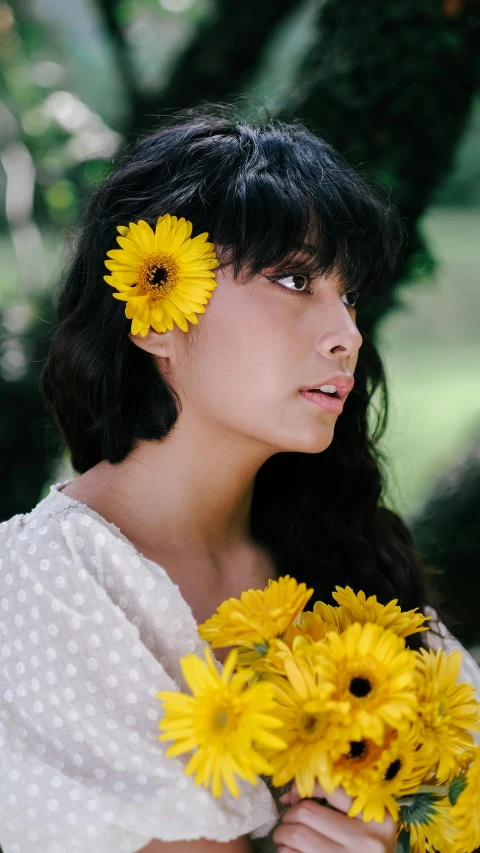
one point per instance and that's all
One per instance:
(27, 436)
(379, 78)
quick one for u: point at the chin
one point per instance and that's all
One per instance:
(310, 442)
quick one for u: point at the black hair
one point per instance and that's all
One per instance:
(257, 189)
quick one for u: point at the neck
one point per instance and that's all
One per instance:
(193, 490)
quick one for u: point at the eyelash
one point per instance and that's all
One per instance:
(275, 279)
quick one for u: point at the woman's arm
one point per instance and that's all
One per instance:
(203, 845)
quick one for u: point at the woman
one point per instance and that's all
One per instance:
(208, 462)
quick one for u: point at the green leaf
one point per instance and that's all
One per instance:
(261, 648)
(420, 809)
(456, 787)
(403, 842)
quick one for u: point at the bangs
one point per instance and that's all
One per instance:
(292, 193)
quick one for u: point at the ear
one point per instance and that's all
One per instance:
(161, 345)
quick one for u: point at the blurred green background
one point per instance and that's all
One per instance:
(393, 86)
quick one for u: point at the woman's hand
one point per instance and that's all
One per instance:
(308, 827)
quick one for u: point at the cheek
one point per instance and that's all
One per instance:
(245, 343)
(242, 350)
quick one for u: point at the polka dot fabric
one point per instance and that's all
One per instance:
(90, 630)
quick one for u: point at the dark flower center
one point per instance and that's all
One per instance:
(358, 749)
(309, 723)
(312, 725)
(159, 276)
(393, 770)
(222, 718)
(360, 687)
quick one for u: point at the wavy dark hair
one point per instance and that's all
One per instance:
(257, 189)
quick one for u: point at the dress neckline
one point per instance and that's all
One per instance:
(57, 493)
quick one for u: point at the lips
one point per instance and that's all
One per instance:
(323, 401)
(344, 383)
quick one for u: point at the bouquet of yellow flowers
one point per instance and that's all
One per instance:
(334, 695)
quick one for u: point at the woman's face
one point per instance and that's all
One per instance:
(257, 344)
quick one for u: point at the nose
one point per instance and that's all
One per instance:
(337, 331)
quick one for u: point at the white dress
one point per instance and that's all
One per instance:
(90, 630)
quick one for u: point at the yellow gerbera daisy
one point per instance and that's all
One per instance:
(258, 616)
(369, 667)
(447, 712)
(226, 721)
(273, 660)
(164, 276)
(311, 728)
(466, 811)
(396, 772)
(357, 767)
(356, 607)
(435, 835)
(308, 625)
(298, 641)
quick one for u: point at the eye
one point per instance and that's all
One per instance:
(294, 282)
(355, 295)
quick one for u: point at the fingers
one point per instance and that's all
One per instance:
(338, 799)
(286, 798)
(387, 828)
(298, 838)
(334, 826)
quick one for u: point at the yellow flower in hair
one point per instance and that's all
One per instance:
(164, 276)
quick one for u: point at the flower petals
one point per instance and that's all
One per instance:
(181, 293)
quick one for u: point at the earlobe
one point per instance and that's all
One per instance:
(162, 345)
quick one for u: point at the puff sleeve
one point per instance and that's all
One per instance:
(88, 635)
